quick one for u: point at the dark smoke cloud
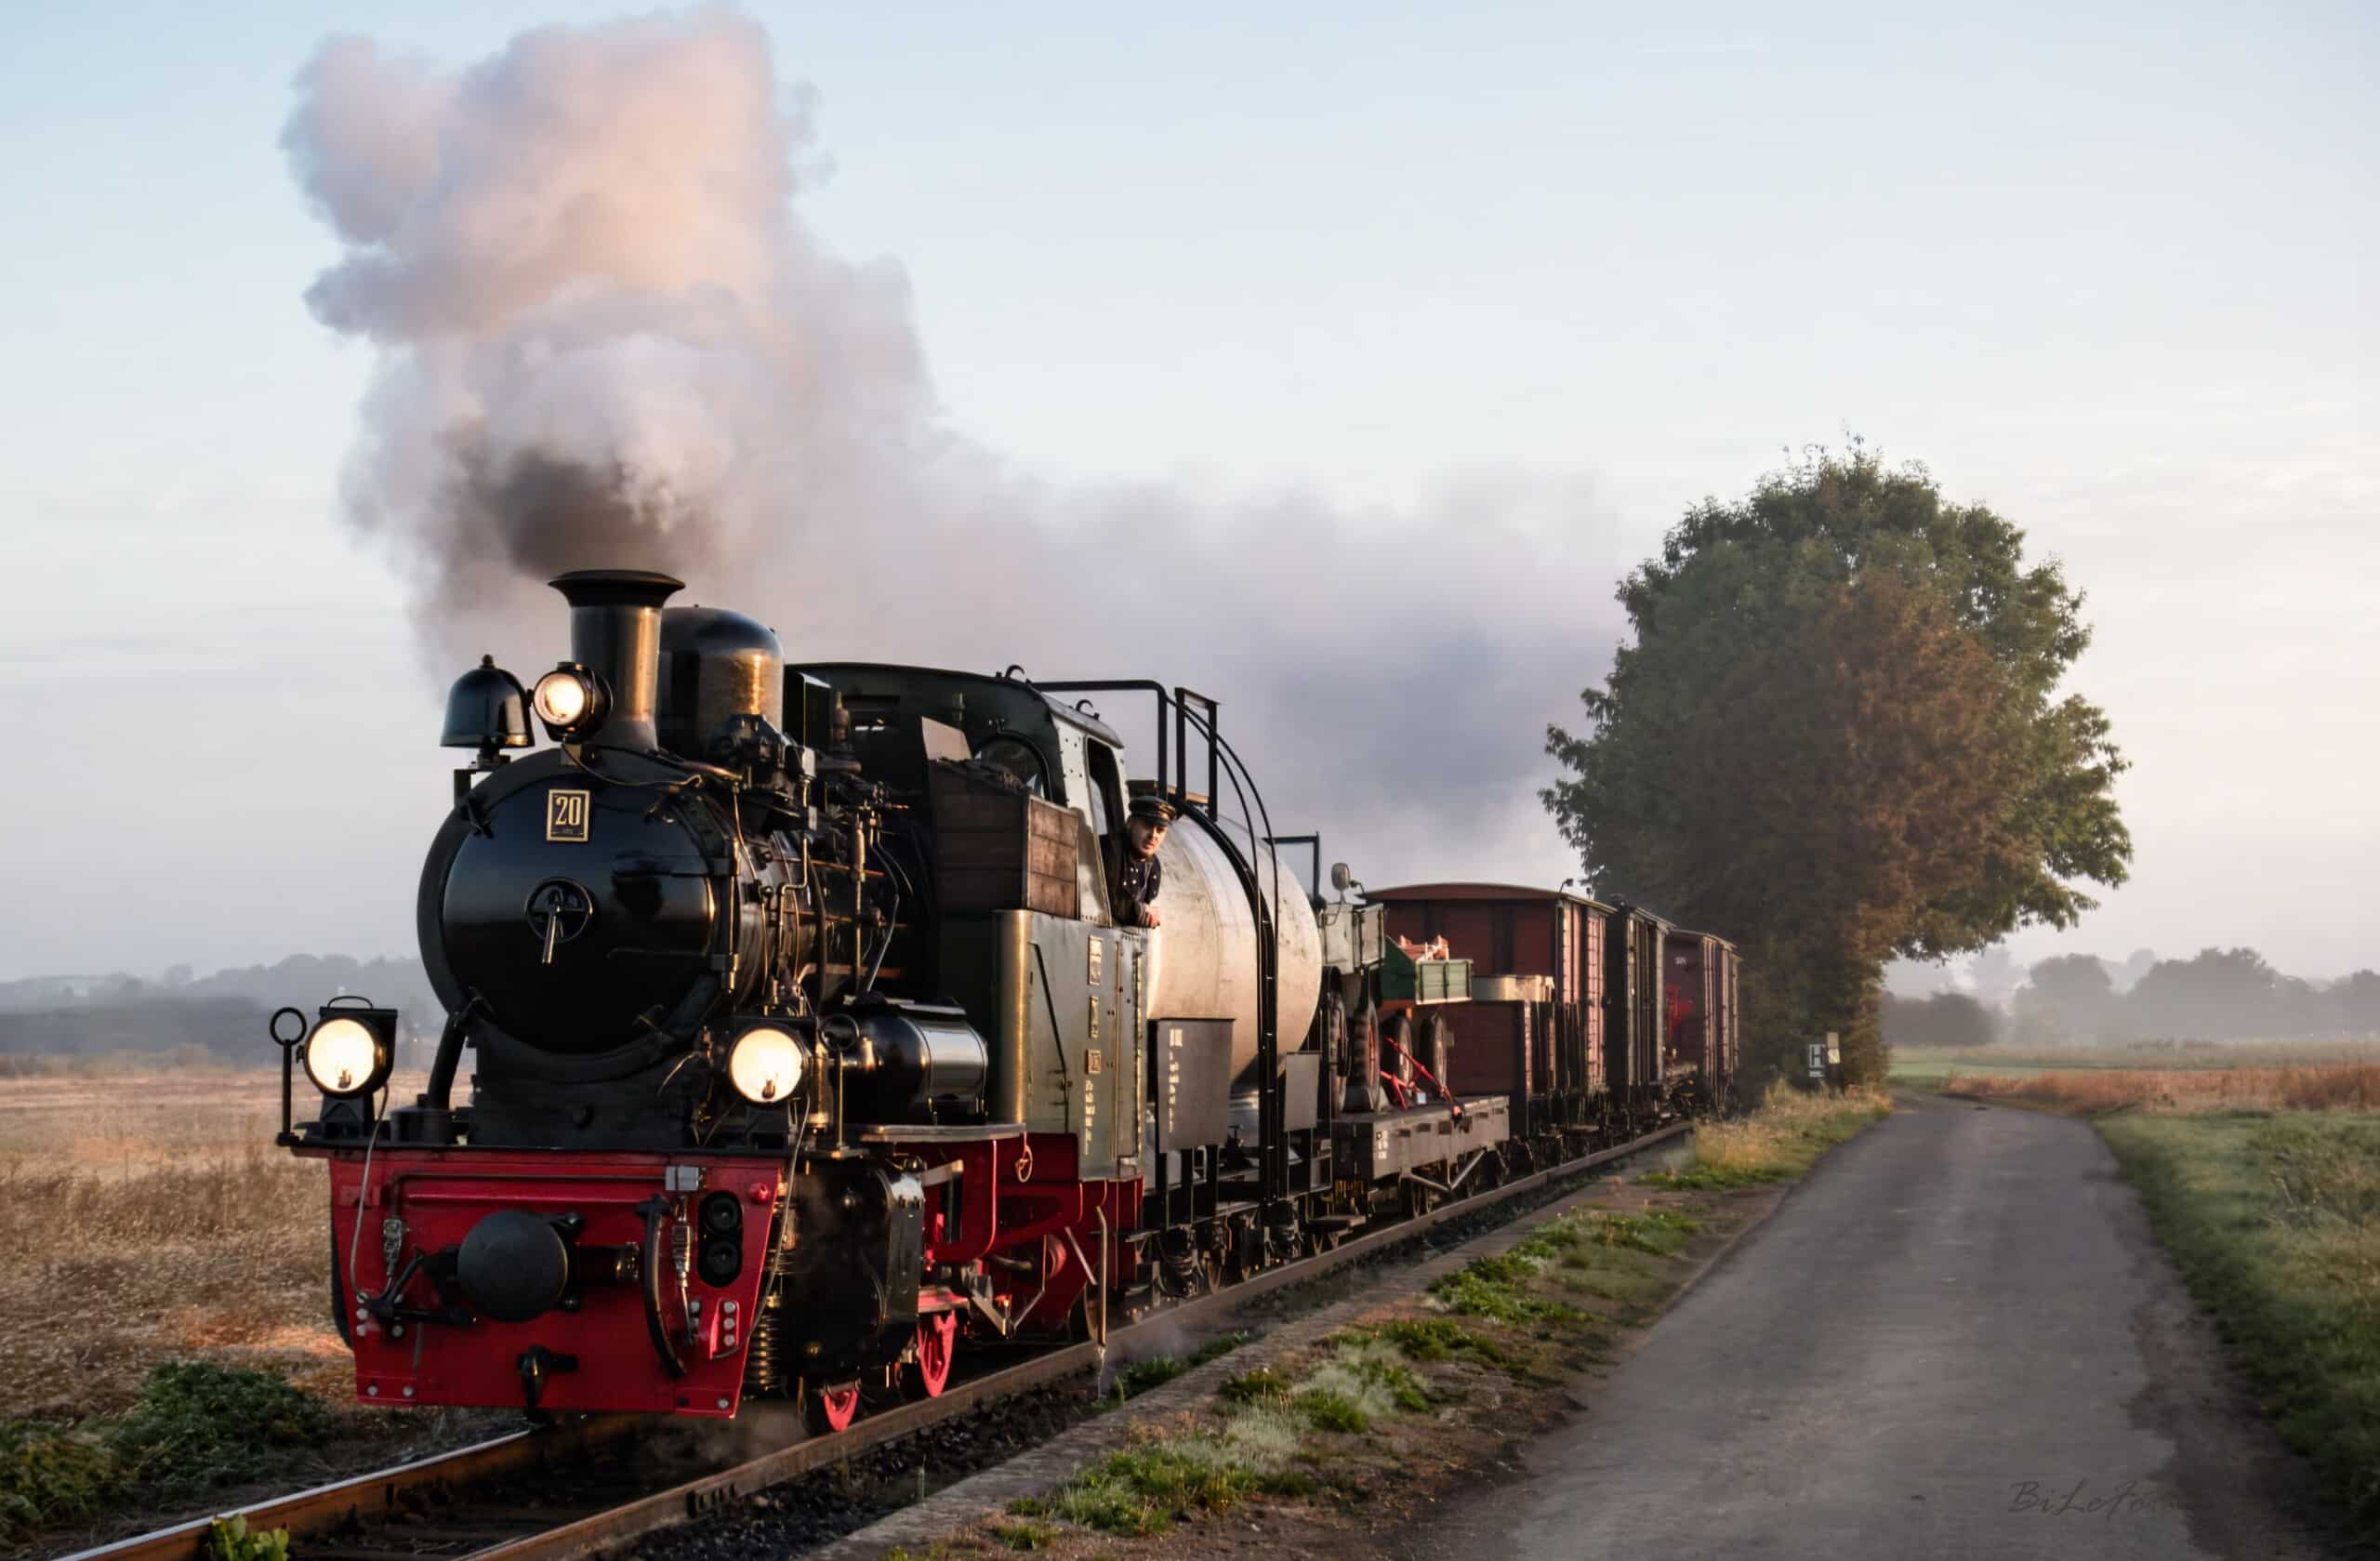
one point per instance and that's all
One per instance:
(607, 340)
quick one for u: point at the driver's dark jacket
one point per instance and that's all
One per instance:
(1137, 879)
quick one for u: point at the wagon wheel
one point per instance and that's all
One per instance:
(1437, 1051)
(937, 1343)
(1334, 1032)
(831, 1408)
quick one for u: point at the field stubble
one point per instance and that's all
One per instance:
(150, 1218)
(1930, 1067)
(2336, 1085)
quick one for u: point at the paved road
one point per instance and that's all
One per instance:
(1950, 1342)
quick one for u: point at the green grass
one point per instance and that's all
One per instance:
(1434, 1339)
(1329, 1409)
(1713, 1178)
(1780, 1141)
(51, 1476)
(1023, 1534)
(1500, 1287)
(1219, 1346)
(1655, 1231)
(196, 1427)
(2274, 1221)
(1258, 1386)
(1148, 1488)
(1474, 1295)
(1143, 1375)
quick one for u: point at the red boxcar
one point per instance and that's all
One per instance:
(1541, 1038)
(1698, 980)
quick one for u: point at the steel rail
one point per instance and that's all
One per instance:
(374, 1494)
(315, 1513)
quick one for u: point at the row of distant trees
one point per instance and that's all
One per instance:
(2219, 994)
(224, 1013)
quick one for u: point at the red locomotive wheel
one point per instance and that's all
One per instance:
(937, 1343)
(834, 1408)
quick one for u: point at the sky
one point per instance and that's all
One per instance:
(1499, 289)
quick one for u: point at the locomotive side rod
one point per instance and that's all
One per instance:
(384, 1495)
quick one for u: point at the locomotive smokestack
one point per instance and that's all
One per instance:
(616, 632)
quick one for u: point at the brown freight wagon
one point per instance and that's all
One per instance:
(1730, 1012)
(1693, 979)
(1534, 1028)
(1634, 1012)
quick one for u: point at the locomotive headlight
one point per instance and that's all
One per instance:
(766, 1064)
(352, 1050)
(567, 699)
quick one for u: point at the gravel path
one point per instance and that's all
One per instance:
(1958, 1338)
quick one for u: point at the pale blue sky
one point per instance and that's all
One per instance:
(2110, 273)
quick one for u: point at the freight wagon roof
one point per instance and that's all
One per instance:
(1503, 892)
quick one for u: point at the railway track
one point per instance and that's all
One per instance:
(565, 1492)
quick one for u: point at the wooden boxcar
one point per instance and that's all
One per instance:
(1635, 1015)
(1693, 977)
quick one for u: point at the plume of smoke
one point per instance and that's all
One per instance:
(606, 338)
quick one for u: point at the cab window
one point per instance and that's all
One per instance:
(1107, 798)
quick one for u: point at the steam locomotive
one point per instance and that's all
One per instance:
(805, 1046)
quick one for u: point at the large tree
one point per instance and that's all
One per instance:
(2071, 995)
(1836, 737)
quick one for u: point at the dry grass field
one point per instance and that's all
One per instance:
(165, 1272)
(2315, 1086)
(1930, 1067)
(146, 1218)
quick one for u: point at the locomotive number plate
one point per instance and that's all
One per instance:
(566, 817)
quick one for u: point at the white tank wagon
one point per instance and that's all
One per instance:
(1202, 957)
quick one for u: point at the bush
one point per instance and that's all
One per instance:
(199, 1425)
(50, 1476)
(1329, 1409)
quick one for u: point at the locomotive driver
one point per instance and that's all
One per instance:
(1138, 872)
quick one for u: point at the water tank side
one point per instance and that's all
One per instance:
(1202, 961)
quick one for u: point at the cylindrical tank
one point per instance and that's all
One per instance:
(715, 665)
(1202, 957)
(919, 1058)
